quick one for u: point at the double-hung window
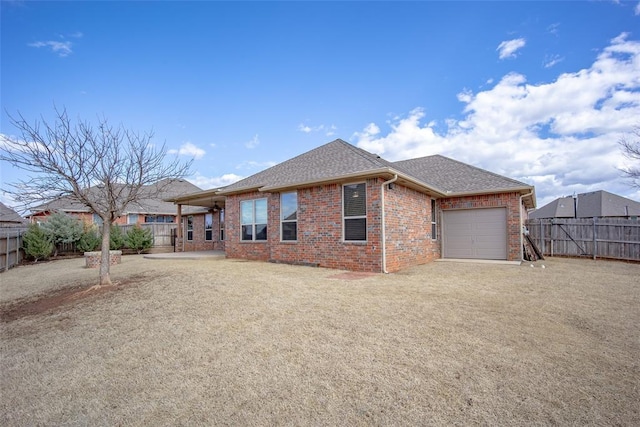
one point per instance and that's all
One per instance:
(253, 215)
(354, 203)
(289, 216)
(221, 225)
(190, 227)
(208, 226)
(434, 224)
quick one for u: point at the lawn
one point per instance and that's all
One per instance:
(247, 343)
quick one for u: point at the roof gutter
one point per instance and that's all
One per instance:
(383, 233)
(524, 191)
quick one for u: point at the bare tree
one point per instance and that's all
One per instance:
(103, 167)
(631, 149)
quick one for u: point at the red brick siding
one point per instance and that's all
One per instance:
(408, 228)
(199, 243)
(511, 201)
(249, 250)
(320, 240)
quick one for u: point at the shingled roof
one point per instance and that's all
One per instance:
(453, 176)
(152, 205)
(9, 217)
(328, 162)
(338, 161)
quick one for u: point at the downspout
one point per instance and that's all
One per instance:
(522, 226)
(383, 228)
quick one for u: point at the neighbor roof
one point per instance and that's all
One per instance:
(9, 216)
(156, 205)
(339, 161)
(594, 204)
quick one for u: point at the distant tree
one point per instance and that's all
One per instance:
(103, 167)
(37, 243)
(62, 228)
(89, 240)
(116, 237)
(139, 239)
(630, 145)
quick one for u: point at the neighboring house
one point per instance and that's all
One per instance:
(597, 204)
(339, 206)
(10, 218)
(151, 210)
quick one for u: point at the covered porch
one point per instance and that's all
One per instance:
(204, 230)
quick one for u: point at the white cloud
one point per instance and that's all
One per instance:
(328, 130)
(251, 164)
(253, 143)
(637, 9)
(207, 183)
(189, 149)
(551, 60)
(63, 49)
(561, 136)
(508, 48)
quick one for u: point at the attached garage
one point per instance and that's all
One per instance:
(475, 233)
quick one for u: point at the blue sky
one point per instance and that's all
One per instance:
(537, 91)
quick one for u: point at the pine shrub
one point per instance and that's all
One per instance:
(139, 239)
(89, 240)
(37, 243)
(62, 228)
(116, 239)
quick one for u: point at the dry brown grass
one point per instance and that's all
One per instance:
(245, 343)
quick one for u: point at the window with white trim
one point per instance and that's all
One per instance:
(253, 220)
(434, 224)
(208, 226)
(221, 225)
(190, 227)
(289, 216)
(354, 212)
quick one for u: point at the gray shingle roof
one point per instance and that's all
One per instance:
(339, 159)
(149, 206)
(452, 176)
(333, 160)
(9, 216)
(594, 204)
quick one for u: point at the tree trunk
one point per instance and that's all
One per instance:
(105, 258)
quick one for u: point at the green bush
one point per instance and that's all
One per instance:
(116, 239)
(37, 243)
(139, 239)
(89, 240)
(62, 228)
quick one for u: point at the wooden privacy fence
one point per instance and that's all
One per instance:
(617, 238)
(162, 233)
(11, 252)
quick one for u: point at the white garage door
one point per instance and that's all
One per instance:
(475, 233)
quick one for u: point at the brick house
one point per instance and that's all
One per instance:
(342, 207)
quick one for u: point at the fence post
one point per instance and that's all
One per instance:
(595, 249)
(551, 236)
(6, 267)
